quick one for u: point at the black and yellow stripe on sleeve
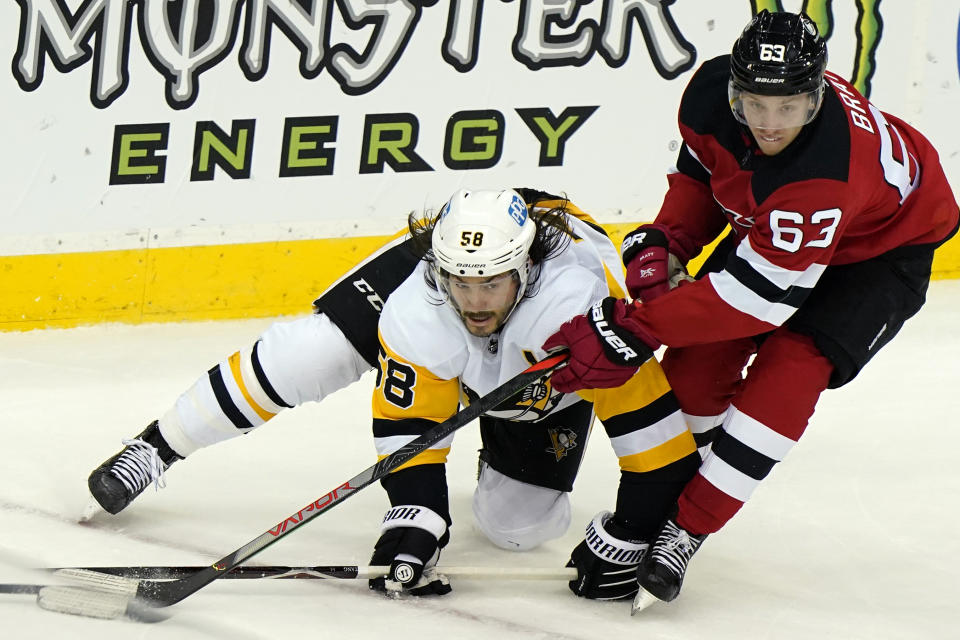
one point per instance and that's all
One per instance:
(407, 401)
(643, 421)
(614, 256)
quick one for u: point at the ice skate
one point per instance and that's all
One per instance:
(661, 571)
(144, 459)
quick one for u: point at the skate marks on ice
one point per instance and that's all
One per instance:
(101, 522)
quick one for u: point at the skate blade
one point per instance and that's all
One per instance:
(92, 509)
(643, 600)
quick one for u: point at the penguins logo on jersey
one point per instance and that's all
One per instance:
(562, 440)
(534, 402)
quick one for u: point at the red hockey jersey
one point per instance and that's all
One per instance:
(855, 183)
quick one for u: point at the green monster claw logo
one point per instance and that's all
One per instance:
(869, 29)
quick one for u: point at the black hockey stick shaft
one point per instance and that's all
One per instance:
(21, 588)
(81, 577)
(163, 594)
(280, 572)
(241, 572)
(176, 572)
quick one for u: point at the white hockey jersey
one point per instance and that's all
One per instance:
(430, 363)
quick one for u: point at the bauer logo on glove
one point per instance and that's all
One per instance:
(635, 239)
(615, 346)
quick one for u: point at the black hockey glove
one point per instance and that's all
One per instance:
(606, 560)
(410, 541)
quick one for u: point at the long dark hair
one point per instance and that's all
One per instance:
(553, 234)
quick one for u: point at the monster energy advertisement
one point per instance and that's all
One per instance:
(189, 114)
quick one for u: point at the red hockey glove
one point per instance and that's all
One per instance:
(651, 269)
(606, 348)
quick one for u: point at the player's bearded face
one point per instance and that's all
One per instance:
(775, 121)
(483, 303)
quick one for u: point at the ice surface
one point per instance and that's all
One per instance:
(855, 535)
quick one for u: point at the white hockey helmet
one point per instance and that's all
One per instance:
(483, 234)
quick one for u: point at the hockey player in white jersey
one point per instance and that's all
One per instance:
(291, 363)
(308, 358)
(496, 280)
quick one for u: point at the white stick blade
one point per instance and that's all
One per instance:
(99, 581)
(82, 602)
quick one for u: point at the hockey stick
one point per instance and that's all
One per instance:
(96, 577)
(155, 594)
(320, 572)
(21, 588)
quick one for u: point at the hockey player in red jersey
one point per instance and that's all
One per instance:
(835, 208)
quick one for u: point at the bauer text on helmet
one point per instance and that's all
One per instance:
(776, 77)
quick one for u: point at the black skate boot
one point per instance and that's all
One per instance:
(116, 482)
(661, 571)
